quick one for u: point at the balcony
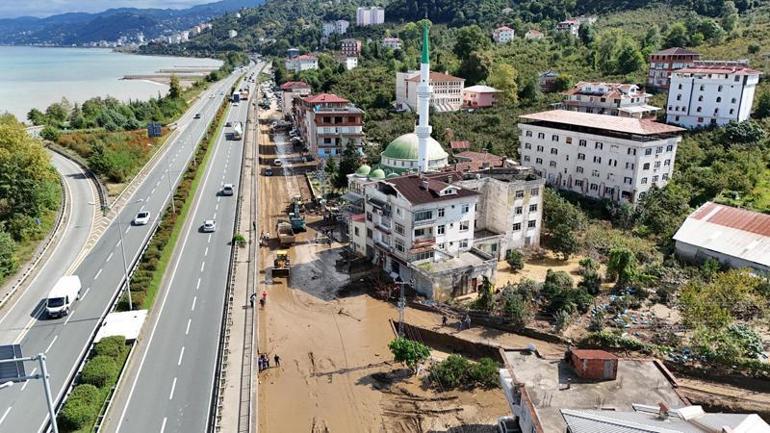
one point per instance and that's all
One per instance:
(422, 243)
(379, 244)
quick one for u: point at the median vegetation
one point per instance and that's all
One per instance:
(94, 386)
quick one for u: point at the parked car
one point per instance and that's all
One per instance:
(228, 124)
(209, 226)
(197, 115)
(268, 171)
(142, 218)
(228, 189)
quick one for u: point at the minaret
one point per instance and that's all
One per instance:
(424, 92)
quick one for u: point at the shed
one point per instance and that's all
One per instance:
(594, 364)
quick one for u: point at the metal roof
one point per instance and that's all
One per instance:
(629, 125)
(730, 231)
(689, 419)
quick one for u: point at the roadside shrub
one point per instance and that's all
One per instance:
(113, 347)
(99, 371)
(613, 340)
(239, 240)
(458, 372)
(81, 408)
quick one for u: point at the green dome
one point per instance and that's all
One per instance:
(377, 174)
(363, 170)
(406, 146)
(392, 175)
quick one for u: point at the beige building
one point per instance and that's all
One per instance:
(447, 91)
(614, 99)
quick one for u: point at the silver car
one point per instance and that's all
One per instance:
(209, 226)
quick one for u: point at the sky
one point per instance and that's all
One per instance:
(42, 8)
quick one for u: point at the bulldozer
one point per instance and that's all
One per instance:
(281, 264)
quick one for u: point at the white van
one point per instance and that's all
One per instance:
(63, 294)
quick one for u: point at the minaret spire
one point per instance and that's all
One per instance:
(424, 92)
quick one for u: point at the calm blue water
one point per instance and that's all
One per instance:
(33, 77)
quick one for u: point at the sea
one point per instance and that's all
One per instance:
(32, 77)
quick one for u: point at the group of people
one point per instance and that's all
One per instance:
(264, 362)
(462, 324)
(262, 300)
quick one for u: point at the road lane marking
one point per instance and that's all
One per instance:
(153, 191)
(187, 331)
(84, 294)
(69, 316)
(209, 241)
(195, 299)
(96, 277)
(215, 215)
(127, 229)
(198, 285)
(6, 413)
(181, 355)
(217, 207)
(206, 253)
(173, 387)
(108, 258)
(26, 382)
(203, 265)
(163, 426)
(56, 337)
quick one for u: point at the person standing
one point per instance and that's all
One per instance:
(277, 360)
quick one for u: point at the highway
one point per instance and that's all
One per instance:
(23, 310)
(171, 389)
(65, 340)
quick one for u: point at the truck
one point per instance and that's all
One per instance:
(295, 215)
(236, 97)
(63, 294)
(245, 94)
(281, 264)
(285, 233)
(237, 133)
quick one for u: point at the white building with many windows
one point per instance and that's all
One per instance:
(711, 93)
(339, 27)
(369, 16)
(447, 91)
(618, 158)
(503, 34)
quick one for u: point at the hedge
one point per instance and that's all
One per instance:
(82, 408)
(100, 371)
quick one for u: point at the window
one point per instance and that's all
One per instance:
(654, 179)
(701, 87)
(399, 228)
(581, 156)
(554, 151)
(599, 145)
(540, 148)
(667, 162)
(440, 230)
(541, 135)
(627, 180)
(552, 164)
(594, 187)
(355, 230)
(466, 208)
(732, 111)
(464, 226)
(533, 207)
(648, 151)
(579, 169)
(678, 97)
(659, 149)
(526, 158)
(531, 224)
(669, 148)
(554, 137)
(644, 181)
(733, 101)
(519, 193)
(568, 140)
(528, 134)
(441, 212)
(582, 143)
(699, 109)
(516, 227)
(534, 192)
(657, 164)
(528, 145)
(679, 86)
(464, 243)
(631, 151)
(518, 210)
(598, 159)
(423, 215)
(579, 183)
(665, 176)
(369, 233)
(630, 166)
(399, 245)
(719, 99)
(646, 166)
(595, 173)
(422, 232)
(700, 98)
(719, 89)
(369, 216)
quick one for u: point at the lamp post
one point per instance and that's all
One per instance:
(40, 358)
(171, 189)
(125, 264)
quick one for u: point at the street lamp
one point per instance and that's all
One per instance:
(40, 358)
(170, 189)
(125, 265)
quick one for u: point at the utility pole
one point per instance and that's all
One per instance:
(402, 305)
(123, 254)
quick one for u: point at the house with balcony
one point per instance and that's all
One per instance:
(339, 27)
(664, 62)
(350, 47)
(533, 35)
(327, 123)
(614, 99)
(292, 90)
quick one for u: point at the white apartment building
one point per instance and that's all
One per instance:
(503, 35)
(392, 43)
(447, 91)
(369, 16)
(614, 99)
(339, 27)
(301, 63)
(711, 93)
(618, 158)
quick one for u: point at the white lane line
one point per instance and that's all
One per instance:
(217, 207)
(173, 387)
(163, 426)
(56, 337)
(205, 253)
(209, 241)
(84, 294)
(117, 244)
(127, 229)
(187, 331)
(181, 355)
(69, 316)
(215, 215)
(198, 285)
(219, 198)
(108, 258)
(5, 414)
(195, 299)
(153, 191)
(203, 265)
(96, 277)
(34, 370)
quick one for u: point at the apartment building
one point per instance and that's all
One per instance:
(301, 63)
(392, 43)
(292, 90)
(480, 96)
(350, 47)
(572, 25)
(339, 27)
(503, 35)
(447, 91)
(614, 99)
(369, 16)
(664, 62)
(711, 94)
(327, 123)
(618, 158)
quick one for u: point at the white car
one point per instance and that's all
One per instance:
(277, 162)
(209, 226)
(228, 189)
(142, 218)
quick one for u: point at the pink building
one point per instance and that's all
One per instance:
(351, 47)
(479, 96)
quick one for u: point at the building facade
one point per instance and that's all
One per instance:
(369, 16)
(533, 35)
(339, 27)
(711, 94)
(292, 90)
(618, 158)
(614, 99)
(479, 96)
(503, 35)
(447, 91)
(392, 43)
(327, 123)
(301, 63)
(350, 47)
(664, 62)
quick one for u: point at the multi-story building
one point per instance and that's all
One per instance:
(618, 158)
(572, 25)
(349, 62)
(664, 62)
(301, 63)
(292, 53)
(447, 91)
(534, 35)
(614, 99)
(547, 80)
(369, 16)
(711, 93)
(327, 123)
(503, 35)
(350, 47)
(392, 43)
(292, 90)
(339, 27)
(479, 96)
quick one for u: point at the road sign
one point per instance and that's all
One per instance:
(154, 129)
(11, 371)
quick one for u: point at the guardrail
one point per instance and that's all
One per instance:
(101, 190)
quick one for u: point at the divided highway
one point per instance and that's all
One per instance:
(171, 389)
(65, 340)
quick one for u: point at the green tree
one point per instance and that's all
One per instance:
(486, 299)
(348, 164)
(515, 260)
(711, 30)
(729, 16)
(36, 116)
(50, 133)
(174, 88)
(622, 266)
(469, 39)
(503, 77)
(409, 352)
(563, 82)
(677, 36)
(475, 67)
(8, 263)
(586, 33)
(517, 310)
(763, 105)
(630, 59)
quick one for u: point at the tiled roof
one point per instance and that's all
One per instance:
(411, 188)
(503, 29)
(613, 89)
(460, 144)
(290, 85)
(309, 57)
(675, 51)
(436, 76)
(322, 98)
(627, 125)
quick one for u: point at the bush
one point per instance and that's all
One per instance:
(81, 408)
(113, 347)
(99, 371)
(409, 352)
(239, 240)
(485, 373)
(8, 262)
(458, 372)
(515, 260)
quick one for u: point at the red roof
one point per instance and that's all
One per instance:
(460, 144)
(592, 354)
(325, 98)
(676, 51)
(733, 217)
(735, 70)
(290, 85)
(503, 29)
(410, 186)
(629, 125)
(436, 76)
(306, 57)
